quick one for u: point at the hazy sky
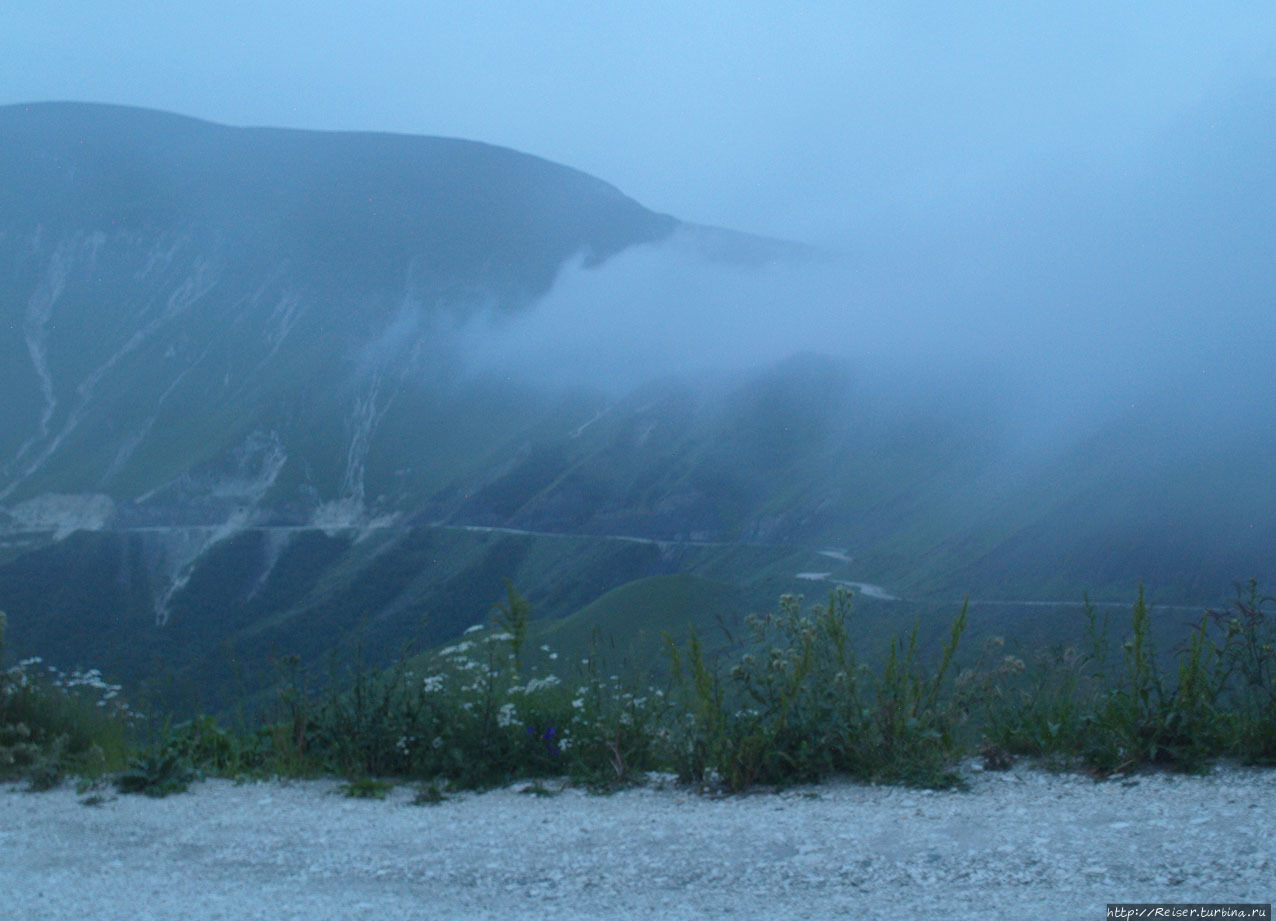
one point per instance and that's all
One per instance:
(1080, 192)
(818, 121)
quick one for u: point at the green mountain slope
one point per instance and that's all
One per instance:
(238, 423)
(182, 296)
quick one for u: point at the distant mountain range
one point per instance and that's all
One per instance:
(235, 418)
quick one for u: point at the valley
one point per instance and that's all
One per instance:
(282, 392)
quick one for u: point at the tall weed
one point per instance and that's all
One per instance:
(799, 706)
(1248, 660)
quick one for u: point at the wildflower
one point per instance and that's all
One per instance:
(506, 716)
(578, 703)
(1012, 665)
(432, 684)
(537, 684)
(474, 629)
(551, 746)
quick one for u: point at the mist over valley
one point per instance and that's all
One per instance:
(269, 388)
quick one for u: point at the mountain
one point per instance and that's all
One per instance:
(180, 294)
(231, 391)
(239, 422)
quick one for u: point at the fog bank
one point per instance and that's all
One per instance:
(1086, 292)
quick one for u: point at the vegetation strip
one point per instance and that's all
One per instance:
(796, 702)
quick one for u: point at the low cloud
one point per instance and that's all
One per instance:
(1082, 294)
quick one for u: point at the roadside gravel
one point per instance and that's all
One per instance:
(1018, 844)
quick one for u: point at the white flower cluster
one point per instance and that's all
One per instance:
(19, 677)
(537, 684)
(1012, 665)
(91, 679)
(15, 679)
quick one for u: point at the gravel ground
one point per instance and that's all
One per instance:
(1019, 844)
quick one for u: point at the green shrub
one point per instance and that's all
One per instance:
(157, 773)
(1141, 717)
(367, 788)
(429, 795)
(54, 724)
(1248, 661)
(799, 706)
(1030, 708)
(1219, 698)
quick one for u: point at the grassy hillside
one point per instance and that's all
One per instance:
(625, 628)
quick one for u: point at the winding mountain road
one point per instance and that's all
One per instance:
(866, 589)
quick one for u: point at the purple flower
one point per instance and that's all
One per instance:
(548, 737)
